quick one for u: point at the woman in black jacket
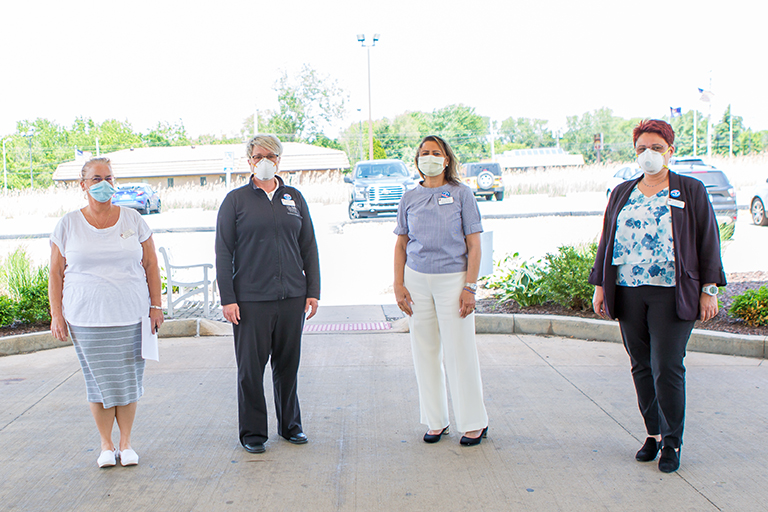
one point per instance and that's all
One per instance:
(268, 272)
(657, 270)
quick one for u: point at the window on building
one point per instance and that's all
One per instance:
(223, 179)
(170, 182)
(202, 181)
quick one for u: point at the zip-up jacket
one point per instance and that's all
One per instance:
(696, 238)
(266, 250)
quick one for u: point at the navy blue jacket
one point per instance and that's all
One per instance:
(266, 250)
(696, 238)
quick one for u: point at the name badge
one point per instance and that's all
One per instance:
(288, 202)
(676, 203)
(125, 235)
(445, 200)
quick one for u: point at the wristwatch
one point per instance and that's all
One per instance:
(471, 286)
(710, 290)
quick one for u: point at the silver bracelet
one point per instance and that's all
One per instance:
(152, 306)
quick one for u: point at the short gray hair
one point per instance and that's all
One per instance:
(266, 141)
(93, 161)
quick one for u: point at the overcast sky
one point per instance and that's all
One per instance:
(211, 64)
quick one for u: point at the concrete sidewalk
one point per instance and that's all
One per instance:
(564, 427)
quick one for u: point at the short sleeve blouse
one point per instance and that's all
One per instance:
(104, 280)
(437, 221)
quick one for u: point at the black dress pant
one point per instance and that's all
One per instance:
(268, 330)
(655, 339)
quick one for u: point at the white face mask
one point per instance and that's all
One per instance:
(650, 161)
(265, 169)
(431, 165)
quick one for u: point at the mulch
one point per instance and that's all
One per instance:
(738, 283)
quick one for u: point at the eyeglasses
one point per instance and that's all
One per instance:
(99, 179)
(258, 158)
(655, 147)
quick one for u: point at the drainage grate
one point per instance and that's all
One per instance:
(360, 326)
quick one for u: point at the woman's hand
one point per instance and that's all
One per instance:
(310, 308)
(403, 298)
(156, 319)
(598, 301)
(231, 312)
(59, 328)
(466, 303)
(707, 306)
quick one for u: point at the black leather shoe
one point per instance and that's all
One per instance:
(669, 461)
(433, 438)
(472, 441)
(254, 447)
(300, 438)
(649, 450)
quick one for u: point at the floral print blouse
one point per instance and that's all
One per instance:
(644, 248)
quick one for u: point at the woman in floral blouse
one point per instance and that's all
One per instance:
(657, 271)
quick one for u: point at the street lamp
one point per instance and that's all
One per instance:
(360, 129)
(5, 171)
(30, 133)
(361, 39)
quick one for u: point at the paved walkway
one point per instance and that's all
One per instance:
(564, 428)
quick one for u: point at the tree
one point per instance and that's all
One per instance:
(525, 133)
(166, 134)
(617, 135)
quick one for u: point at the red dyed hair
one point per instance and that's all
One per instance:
(658, 126)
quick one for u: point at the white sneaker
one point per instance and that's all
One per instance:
(107, 458)
(129, 457)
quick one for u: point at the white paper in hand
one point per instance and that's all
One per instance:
(149, 348)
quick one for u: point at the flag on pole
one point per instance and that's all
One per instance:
(675, 112)
(706, 96)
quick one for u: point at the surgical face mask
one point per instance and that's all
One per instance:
(650, 161)
(431, 165)
(265, 169)
(102, 191)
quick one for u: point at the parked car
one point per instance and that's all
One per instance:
(484, 178)
(377, 186)
(624, 173)
(688, 160)
(757, 205)
(138, 196)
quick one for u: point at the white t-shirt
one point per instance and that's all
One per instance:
(104, 282)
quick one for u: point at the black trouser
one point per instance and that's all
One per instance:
(271, 328)
(655, 339)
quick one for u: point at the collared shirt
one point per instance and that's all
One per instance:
(644, 249)
(437, 221)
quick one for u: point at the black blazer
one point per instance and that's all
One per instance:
(696, 238)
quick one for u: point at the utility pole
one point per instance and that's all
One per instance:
(361, 39)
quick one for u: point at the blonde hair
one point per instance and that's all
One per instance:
(93, 161)
(266, 141)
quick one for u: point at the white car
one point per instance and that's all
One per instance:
(757, 205)
(626, 172)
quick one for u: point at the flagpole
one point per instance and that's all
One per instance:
(694, 132)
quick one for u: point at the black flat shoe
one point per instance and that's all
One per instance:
(649, 450)
(300, 438)
(472, 441)
(254, 447)
(433, 438)
(669, 461)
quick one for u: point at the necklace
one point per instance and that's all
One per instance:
(662, 182)
(100, 225)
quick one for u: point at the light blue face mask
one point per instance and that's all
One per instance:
(102, 191)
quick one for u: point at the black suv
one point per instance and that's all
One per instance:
(720, 190)
(377, 186)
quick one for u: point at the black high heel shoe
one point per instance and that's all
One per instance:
(471, 441)
(433, 438)
(649, 450)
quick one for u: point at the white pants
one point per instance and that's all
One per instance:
(437, 331)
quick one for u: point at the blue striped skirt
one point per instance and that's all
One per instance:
(111, 361)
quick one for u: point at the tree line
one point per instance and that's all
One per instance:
(310, 103)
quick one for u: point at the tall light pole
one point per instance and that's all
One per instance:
(361, 39)
(30, 133)
(360, 124)
(5, 171)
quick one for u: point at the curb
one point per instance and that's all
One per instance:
(711, 342)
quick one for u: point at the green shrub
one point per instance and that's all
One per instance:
(33, 306)
(752, 306)
(7, 310)
(517, 280)
(564, 280)
(727, 229)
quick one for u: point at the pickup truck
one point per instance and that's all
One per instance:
(377, 186)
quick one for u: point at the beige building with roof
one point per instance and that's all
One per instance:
(173, 166)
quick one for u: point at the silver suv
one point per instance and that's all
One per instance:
(377, 186)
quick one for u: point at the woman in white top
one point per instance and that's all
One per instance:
(104, 281)
(437, 259)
